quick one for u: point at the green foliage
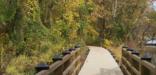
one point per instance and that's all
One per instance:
(107, 43)
(38, 29)
(8, 10)
(22, 62)
(33, 31)
(117, 19)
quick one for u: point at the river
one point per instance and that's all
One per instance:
(152, 51)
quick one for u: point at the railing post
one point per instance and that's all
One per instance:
(58, 71)
(144, 69)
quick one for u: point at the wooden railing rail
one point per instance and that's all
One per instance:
(132, 64)
(69, 65)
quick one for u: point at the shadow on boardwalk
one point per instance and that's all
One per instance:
(114, 71)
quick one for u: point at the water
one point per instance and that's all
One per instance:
(152, 51)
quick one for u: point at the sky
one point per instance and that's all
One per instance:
(154, 5)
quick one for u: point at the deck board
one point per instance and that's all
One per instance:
(100, 62)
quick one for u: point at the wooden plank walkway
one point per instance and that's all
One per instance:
(100, 62)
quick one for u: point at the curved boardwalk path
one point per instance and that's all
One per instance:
(100, 62)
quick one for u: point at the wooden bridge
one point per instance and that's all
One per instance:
(100, 62)
(97, 61)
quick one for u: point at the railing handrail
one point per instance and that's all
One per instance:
(53, 67)
(130, 60)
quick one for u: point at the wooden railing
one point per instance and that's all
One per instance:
(69, 65)
(133, 64)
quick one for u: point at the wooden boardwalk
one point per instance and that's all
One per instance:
(100, 62)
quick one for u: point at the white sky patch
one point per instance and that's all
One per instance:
(154, 5)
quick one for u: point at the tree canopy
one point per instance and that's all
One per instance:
(33, 31)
